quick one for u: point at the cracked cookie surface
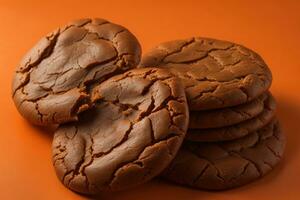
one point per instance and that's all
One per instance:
(216, 74)
(138, 123)
(227, 116)
(51, 84)
(237, 130)
(224, 165)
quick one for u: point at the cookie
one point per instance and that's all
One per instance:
(216, 74)
(51, 85)
(227, 116)
(224, 165)
(135, 130)
(237, 130)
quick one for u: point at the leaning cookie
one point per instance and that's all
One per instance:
(51, 85)
(224, 165)
(237, 130)
(138, 123)
(216, 74)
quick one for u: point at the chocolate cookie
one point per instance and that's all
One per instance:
(51, 85)
(227, 116)
(224, 165)
(136, 128)
(216, 73)
(237, 130)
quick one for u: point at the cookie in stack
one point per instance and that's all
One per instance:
(233, 136)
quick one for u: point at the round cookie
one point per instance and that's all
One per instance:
(51, 85)
(227, 116)
(224, 165)
(135, 130)
(237, 130)
(216, 74)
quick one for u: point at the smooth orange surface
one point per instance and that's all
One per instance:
(272, 28)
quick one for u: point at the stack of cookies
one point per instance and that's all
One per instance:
(233, 135)
(197, 112)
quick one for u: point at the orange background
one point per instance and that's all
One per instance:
(272, 28)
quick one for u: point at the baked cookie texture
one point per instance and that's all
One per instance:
(121, 122)
(227, 116)
(224, 165)
(216, 74)
(134, 131)
(53, 81)
(238, 130)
